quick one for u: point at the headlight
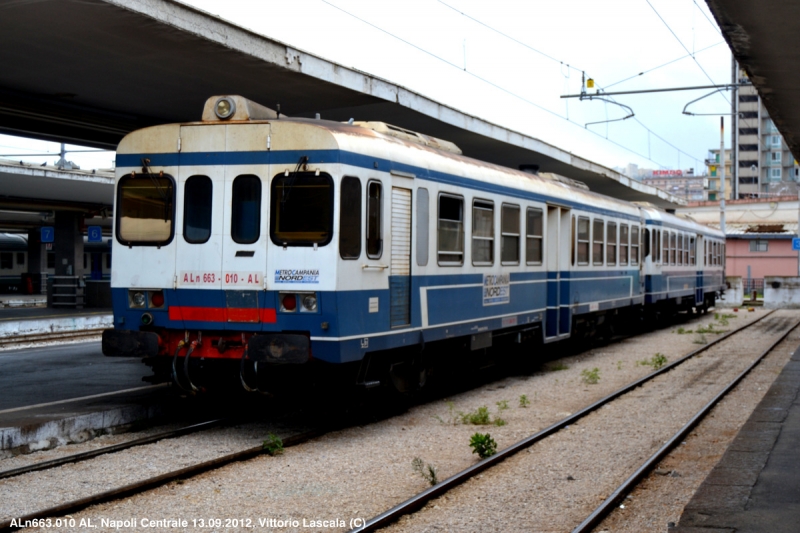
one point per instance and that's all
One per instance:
(137, 299)
(310, 302)
(224, 108)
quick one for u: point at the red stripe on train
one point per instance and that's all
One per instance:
(222, 314)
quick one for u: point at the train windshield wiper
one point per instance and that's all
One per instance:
(287, 187)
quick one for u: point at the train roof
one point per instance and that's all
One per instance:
(683, 222)
(422, 155)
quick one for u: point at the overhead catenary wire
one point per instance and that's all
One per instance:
(509, 92)
(491, 83)
(683, 45)
(648, 71)
(499, 32)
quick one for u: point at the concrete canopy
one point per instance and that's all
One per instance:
(90, 71)
(764, 39)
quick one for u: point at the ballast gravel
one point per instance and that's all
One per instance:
(332, 482)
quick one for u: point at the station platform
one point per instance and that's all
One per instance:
(755, 487)
(23, 317)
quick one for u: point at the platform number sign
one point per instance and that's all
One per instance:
(48, 233)
(796, 244)
(95, 234)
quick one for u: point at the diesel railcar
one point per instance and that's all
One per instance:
(255, 245)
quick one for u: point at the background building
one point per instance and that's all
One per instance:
(758, 235)
(715, 175)
(681, 183)
(766, 167)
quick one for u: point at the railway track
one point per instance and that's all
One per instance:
(83, 456)
(38, 338)
(11, 523)
(415, 503)
(298, 437)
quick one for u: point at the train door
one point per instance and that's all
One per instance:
(198, 232)
(245, 234)
(699, 295)
(400, 265)
(558, 249)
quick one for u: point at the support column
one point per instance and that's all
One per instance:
(67, 287)
(68, 245)
(37, 261)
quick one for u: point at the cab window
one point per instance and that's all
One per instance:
(301, 210)
(145, 209)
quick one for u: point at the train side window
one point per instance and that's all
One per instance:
(657, 246)
(301, 209)
(583, 241)
(197, 200)
(680, 250)
(685, 249)
(533, 237)
(20, 258)
(673, 239)
(450, 230)
(423, 214)
(145, 209)
(597, 241)
(664, 247)
(482, 233)
(692, 250)
(509, 232)
(635, 245)
(374, 219)
(611, 243)
(246, 209)
(647, 242)
(6, 261)
(350, 218)
(623, 245)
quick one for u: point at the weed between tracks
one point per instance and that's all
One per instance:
(657, 361)
(428, 472)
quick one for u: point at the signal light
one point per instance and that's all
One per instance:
(157, 299)
(289, 302)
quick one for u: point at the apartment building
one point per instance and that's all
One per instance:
(765, 166)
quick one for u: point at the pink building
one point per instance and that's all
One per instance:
(755, 255)
(758, 234)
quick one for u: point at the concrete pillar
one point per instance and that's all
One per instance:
(68, 245)
(781, 292)
(37, 261)
(734, 294)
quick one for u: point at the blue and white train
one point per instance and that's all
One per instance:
(250, 244)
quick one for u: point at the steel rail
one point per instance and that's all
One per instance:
(44, 465)
(422, 498)
(604, 508)
(37, 338)
(152, 482)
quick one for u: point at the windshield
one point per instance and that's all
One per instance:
(301, 211)
(145, 209)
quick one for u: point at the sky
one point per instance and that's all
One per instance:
(509, 62)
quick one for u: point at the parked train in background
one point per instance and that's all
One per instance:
(258, 246)
(14, 262)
